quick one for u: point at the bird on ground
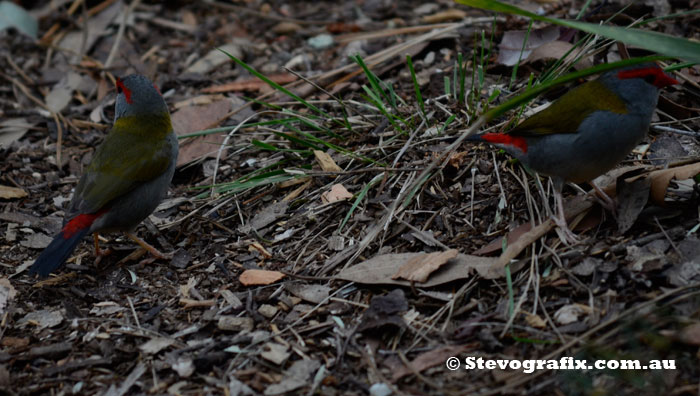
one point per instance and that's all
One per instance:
(587, 131)
(128, 176)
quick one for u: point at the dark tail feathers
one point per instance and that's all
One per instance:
(475, 138)
(57, 252)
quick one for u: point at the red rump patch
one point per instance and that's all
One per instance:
(80, 222)
(121, 88)
(660, 79)
(506, 139)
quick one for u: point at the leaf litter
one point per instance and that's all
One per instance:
(308, 321)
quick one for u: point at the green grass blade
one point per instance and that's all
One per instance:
(462, 78)
(653, 41)
(374, 81)
(416, 87)
(360, 197)
(275, 85)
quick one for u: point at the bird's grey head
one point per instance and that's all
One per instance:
(136, 95)
(638, 85)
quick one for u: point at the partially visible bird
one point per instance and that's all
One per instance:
(588, 130)
(128, 176)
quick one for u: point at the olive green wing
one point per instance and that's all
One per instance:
(565, 114)
(123, 161)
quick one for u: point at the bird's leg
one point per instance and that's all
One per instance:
(99, 253)
(565, 234)
(604, 199)
(154, 252)
(96, 237)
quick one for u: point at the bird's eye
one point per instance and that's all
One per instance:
(120, 86)
(651, 79)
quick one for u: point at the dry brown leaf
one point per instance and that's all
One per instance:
(535, 321)
(188, 18)
(380, 269)
(632, 197)
(7, 294)
(185, 289)
(259, 277)
(190, 303)
(14, 342)
(326, 162)
(429, 359)
(419, 268)
(196, 118)
(265, 217)
(12, 130)
(661, 178)
(608, 181)
(215, 58)
(62, 93)
(155, 345)
(574, 207)
(690, 334)
(556, 50)
(497, 244)
(458, 159)
(570, 313)
(337, 193)
(7, 192)
(511, 45)
(199, 101)
(286, 28)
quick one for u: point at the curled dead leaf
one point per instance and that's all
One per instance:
(458, 159)
(419, 268)
(497, 244)
(511, 46)
(326, 162)
(337, 193)
(556, 50)
(661, 178)
(535, 321)
(380, 269)
(7, 192)
(7, 294)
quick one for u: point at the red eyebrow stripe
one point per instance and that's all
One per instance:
(125, 90)
(637, 73)
(660, 78)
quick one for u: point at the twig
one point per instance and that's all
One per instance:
(133, 312)
(678, 131)
(656, 219)
(408, 143)
(120, 33)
